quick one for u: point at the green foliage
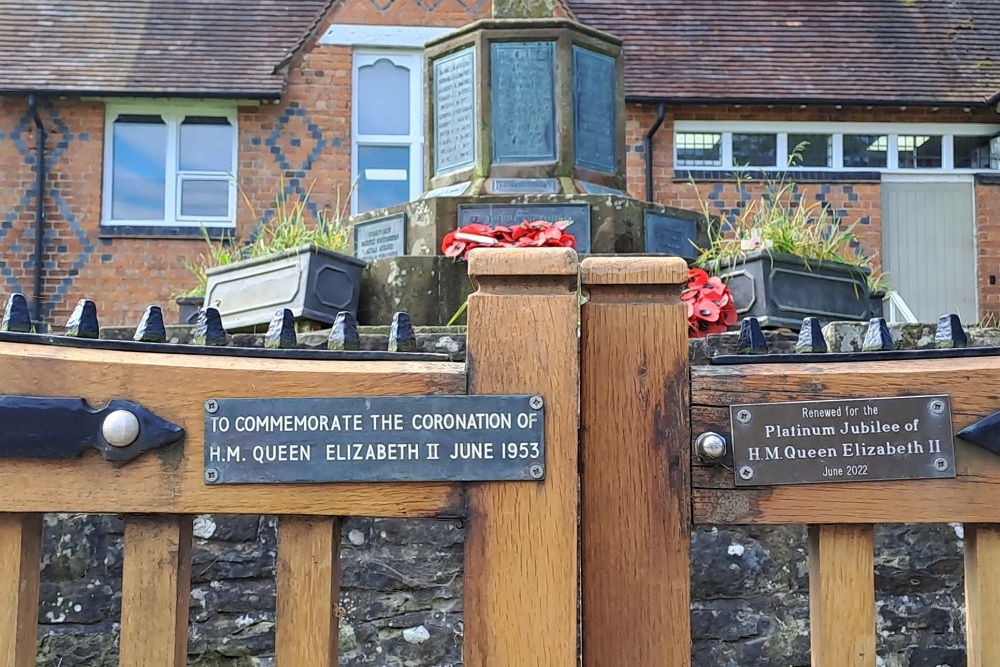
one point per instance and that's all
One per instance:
(284, 229)
(781, 221)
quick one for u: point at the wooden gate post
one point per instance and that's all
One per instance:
(982, 593)
(636, 464)
(20, 561)
(521, 547)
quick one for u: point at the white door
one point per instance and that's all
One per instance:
(929, 245)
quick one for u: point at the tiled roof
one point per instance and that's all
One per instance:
(176, 47)
(870, 51)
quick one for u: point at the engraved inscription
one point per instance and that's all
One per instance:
(670, 236)
(375, 439)
(524, 117)
(494, 215)
(454, 111)
(843, 440)
(594, 109)
(507, 186)
(377, 239)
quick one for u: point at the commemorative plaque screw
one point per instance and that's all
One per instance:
(940, 464)
(743, 416)
(536, 471)
(211, 475)
(937, 407)
(211, 405)
(746, 472)
(535, 402)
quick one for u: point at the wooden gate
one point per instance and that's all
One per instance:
(644, 484)
(521, 552)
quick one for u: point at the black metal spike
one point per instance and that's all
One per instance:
(401, 335)
(751, 340)
(151, 329)
(83, 322)
(208, 328)
(281, 332)
(878, 338)
(344, 335)
(811, 340)
(16, 317)
(950, 333)
(985, 433)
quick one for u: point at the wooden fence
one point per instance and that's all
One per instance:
(604, 539)
(521, 555)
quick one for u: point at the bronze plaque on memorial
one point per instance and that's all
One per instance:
(849, 440)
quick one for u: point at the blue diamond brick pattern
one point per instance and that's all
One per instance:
(76, 259)
(295, 173)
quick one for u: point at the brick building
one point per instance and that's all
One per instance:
(154, 111)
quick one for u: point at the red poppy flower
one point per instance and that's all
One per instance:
(710, 307)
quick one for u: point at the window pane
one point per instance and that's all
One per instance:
(755, 150)
(972, 152)
(383, 98)
(866, 150)
(699, 150)
(383, 176)
(919, 152)
(204, 198)
(206, 144)
(814, 150)
(138, 168)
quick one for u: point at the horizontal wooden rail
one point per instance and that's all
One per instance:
(175, 387)
(970, 498)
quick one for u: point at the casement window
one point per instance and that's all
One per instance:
(169, 166)
(387, 136)
(895, 147)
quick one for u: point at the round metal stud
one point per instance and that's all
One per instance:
(710, 446)
(746, 472)
(536, 471)
(940, 464)
(120, 428)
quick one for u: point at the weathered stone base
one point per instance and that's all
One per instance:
(617, 222)
(431, 289)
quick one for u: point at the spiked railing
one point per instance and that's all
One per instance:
(82, 329)
(950, 341)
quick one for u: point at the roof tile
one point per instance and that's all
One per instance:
(867, 51)
(171, 47)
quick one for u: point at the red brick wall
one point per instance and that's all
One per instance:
(302, 141)
(852, 201)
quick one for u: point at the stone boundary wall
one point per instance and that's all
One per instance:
(402, 579)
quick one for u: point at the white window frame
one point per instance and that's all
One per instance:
(947, 132)
(413, 60)
(172, 113)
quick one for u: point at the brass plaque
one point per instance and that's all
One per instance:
(850, 440)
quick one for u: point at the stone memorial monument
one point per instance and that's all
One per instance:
(524, 120)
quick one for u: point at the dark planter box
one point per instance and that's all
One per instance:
(188, 307)
(780, 290)
(312, 282)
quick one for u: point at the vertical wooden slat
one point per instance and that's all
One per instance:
(521, 547)
(842, 595)
(156, 591)
(308, 581)
(20, 560)
(982, 594)
(635, 486)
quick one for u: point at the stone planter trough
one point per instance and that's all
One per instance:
(780, 289)
(312, 282)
